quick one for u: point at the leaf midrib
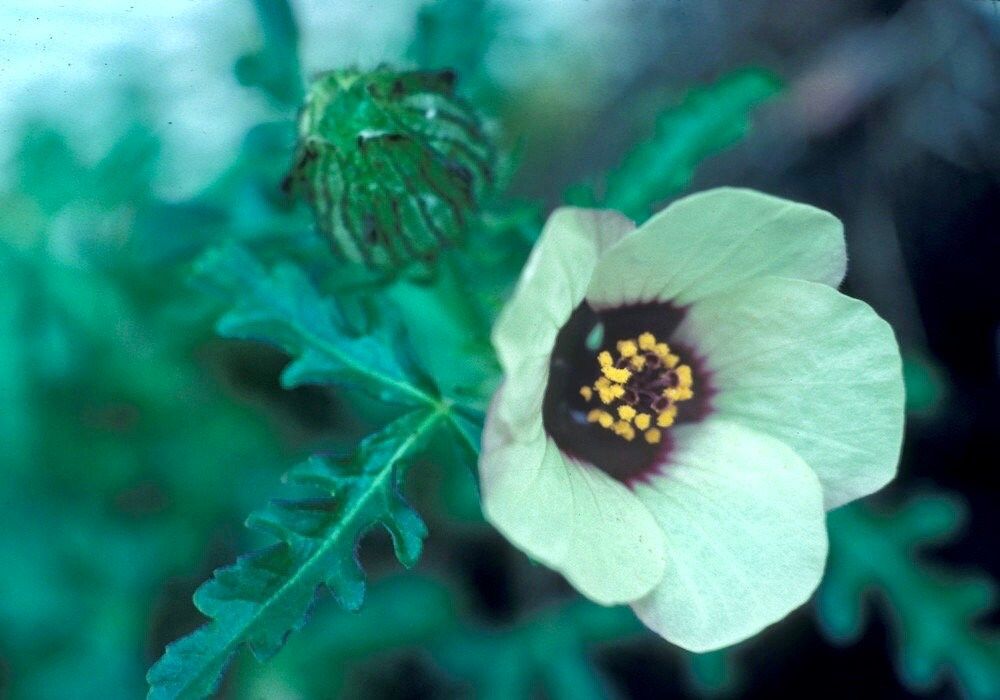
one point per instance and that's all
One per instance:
(441, 407)
(332, 350)
(376, 484)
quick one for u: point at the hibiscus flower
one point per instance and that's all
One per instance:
(681, 404)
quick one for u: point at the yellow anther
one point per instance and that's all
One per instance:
(604, 418)
(627, 348)
(607, 391)
(634, 374)
(624, 430)
(603, 387)
(666, 419)
(684, 376)
(679, 393)
(616, 374)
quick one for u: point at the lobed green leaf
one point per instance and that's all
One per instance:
(266, 595)
(283, 307)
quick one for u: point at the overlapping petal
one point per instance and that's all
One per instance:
(806, 413)
(714, 240)
(814, 368)
(554, 280)
(745, 535)
(520, 405)
(569, 516)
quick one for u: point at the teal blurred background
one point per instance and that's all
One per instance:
(134, 442)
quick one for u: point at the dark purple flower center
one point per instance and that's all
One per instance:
(617, 384)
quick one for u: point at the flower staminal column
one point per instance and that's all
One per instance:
(682, 402)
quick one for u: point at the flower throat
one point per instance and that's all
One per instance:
(609, 362)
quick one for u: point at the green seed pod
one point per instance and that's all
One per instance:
(392, 163)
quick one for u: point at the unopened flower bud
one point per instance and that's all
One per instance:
(392, 163)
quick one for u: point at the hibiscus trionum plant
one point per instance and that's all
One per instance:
(682, 402)
(667, 414)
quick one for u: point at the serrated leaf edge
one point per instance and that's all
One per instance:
(225, 655)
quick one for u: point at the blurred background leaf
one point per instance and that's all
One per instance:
(135, 442)
(935, 611)
(274, 68)
(709, 119)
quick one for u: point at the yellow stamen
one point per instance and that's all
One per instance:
(684, 376)
(636, 378)
(666, 419)
(615, 374)
(679, 393)
(627, 348)
(604, 418)
(624, 430)
(603, 387)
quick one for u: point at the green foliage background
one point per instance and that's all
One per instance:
(172, 359)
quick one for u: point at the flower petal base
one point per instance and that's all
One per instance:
(644, 386)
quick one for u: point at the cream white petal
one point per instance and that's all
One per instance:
(571, 517)
(714, 240)
(816, 369)
(745, 535)
(553, 281)
(519, 406)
